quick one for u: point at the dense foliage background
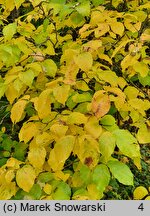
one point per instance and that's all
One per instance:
(75, 99)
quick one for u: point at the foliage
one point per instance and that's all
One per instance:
(75, 77)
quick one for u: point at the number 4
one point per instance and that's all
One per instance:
(141, 207)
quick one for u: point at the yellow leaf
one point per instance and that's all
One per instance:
(131, 92)
(62, 176)
(47, 189)
(11, 93)
(140, 105)
(100, 104)
(87, 149)
(105, 57)
(141, 68)
(147, 198)
(139, 193)
(102, 29)
(143, 134)
(7, 190)
(43, 104)
(93, 192)
(18, 3)
(108, 76)
(25, 177)
(59, 130)
(28, 131)
(93, 128)
(117, 28)
(128, 60)
(36, 156)
(61, 152)
(13, 163)
(76, 118)
(61, 93)
(122, 44)
(43, 139)
(17, 110)
(92, 45)
(84, 61)
(117, 96)
(71, 71)
(9, 176)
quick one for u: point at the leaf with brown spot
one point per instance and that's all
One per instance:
(100, 104)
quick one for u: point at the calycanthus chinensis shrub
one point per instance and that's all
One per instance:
(69, 70)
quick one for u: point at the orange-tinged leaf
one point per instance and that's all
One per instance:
(61, 151)
(36, 157)
(25, 177)
(100, 104)
(139, 193)
(17, 110)
(84, 61)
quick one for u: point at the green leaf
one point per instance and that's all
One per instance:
(121, 172)
(80, 98)
(49, 67)
(35, 192)
(101, 177)
(45, 177)
(107, 120)
(63, 192)
(107, 145)
(27, 77)
(98, 2)
(9, 31)
(85, 174)
(127, 143)
(84, 8)
(76, 18)
(145, 81)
